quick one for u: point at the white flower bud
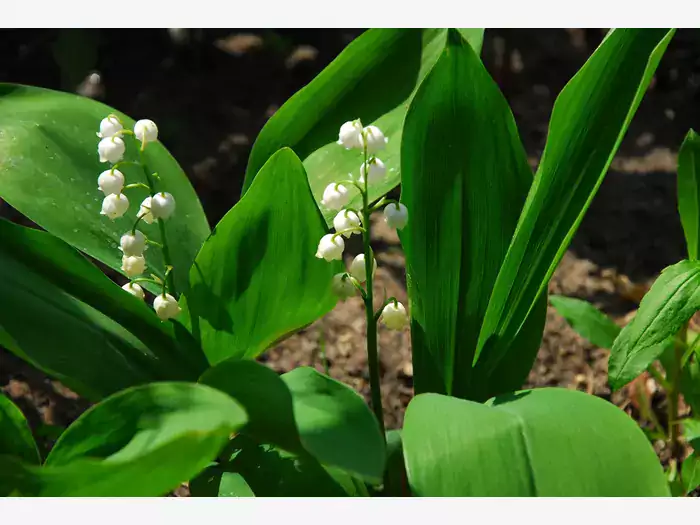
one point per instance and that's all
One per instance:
(350, 134)
(342, 286)
(335, 196)
(377, 170)
(135, 290)
(133, 244)
(357, 268)
(345, 220)
(146, 130)
(111, 149)
(162, 205)
(114, 205)
(330, 248)
(166, 306)
(145, 211)
(394, 316)
(133, 265)
(110, 182)
(109, 127)
(396, 215)
(376, 141)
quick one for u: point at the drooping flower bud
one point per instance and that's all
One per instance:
(133, 244)
(394, 316)
(133, 265)
(335, 196)
(346, 220)
(396, 215)
(111, 149)
(146, 130)
(110, 181)
(342, 286)
(357, 268)
(331, 247)
(109, 127)
(166, 306)
(377, 170)
(376, 141)
(114, 205)
(350, 134)
(135, 290)
(145, 211)
(162, 205)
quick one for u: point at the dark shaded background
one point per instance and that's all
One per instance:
(211, 91)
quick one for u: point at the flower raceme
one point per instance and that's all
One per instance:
(157, 206)
(331, 247)
(348, 222)
(335, 196)
(396, 215)
(358, 269)
(394, 316)
(342, 286)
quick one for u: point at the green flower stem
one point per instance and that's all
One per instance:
(378, 313)
(161, 225)
(372, 354)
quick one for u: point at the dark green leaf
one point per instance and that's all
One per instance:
(589, 119)
(671, 302)
(74, 280)
(690, 473)
(256, 278)
(215, 482)
(465, 179)
(689, 191)
(305, 411)
(49, 172)
(373, 79)
(691, 432)
(547, 442)
(589, 322)
(15, 436)
(395, 479)
(143, 441)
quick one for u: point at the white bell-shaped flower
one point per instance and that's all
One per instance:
(396, 215)
(166, 306)
(350, 134)
(114, 205)
(109, 127)
(331, 247)
(376, 141)
(110, 181)
(394, 316)
(162, 205)
(133, 243)
(133, 265)
(346, 220)
(358, 270)
(335, 196)
(342, 286)
(135, 290)
(111, 149)
(146, 130)
(377, 170)
(145, 211)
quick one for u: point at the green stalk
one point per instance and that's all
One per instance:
(674, 376)
(372, 354)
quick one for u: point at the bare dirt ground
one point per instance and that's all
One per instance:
(213, 94)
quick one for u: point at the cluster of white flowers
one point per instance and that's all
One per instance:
(370, 140)
(111, 182)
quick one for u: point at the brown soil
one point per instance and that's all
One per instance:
(212, 96)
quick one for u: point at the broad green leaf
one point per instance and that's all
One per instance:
(548, 442)
(256, 278)
(143, 441)
(465, 179)
(671, 302)
(302, 412)
(15, 435)
(690, 473)
(215, 482)
(395, 480)
(589, 120)
(72, 276)
(689, 191)
(373, 79)
(49, 168)
(589, 322)
(269, 472)
(691, 432)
